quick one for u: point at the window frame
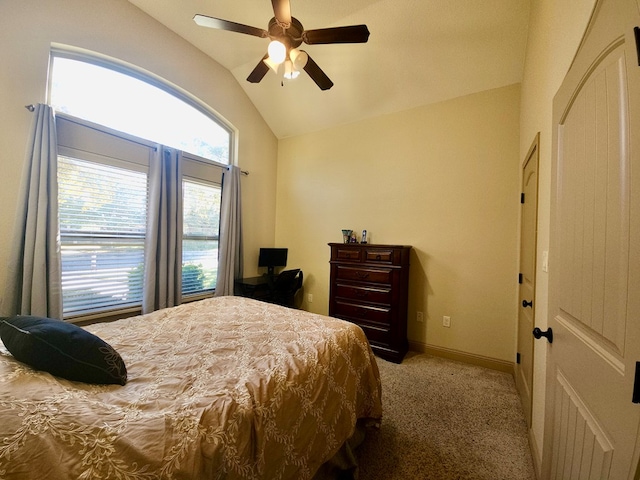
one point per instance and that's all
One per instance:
(205, 293)
(195, 168)
(87, 141)
(100, 60)
(76, 241)
(90, 142)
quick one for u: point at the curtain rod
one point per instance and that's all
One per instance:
(32, 108)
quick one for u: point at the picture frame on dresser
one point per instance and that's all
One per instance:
(369, 286)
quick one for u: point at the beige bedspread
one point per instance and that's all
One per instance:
(225, 388)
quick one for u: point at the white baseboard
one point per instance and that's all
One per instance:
(535, 454)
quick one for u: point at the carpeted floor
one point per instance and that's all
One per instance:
(445, 420)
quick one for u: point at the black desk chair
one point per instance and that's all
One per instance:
(283, 288)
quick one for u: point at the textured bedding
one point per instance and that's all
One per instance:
(224, 388)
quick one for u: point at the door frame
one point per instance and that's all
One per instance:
(533, 155)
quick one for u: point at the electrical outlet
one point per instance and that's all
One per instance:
(310, 297)
(420, 317)
(446, 321)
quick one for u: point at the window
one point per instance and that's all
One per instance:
(105, 95)
(103, 215)
(104, 158)
(201, 220)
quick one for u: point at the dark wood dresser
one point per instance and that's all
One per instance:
(370, 287)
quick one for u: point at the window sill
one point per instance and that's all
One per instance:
(99, 317)
(113, 315)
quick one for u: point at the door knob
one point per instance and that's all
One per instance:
(526, 304)
(539, 334)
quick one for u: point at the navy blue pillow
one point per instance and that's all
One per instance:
(62, 349)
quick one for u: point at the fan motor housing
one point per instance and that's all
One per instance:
(291, 37)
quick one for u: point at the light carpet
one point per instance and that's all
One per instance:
(446, 420)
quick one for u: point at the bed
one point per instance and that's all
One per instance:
(223, 388)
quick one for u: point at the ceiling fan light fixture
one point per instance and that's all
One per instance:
(277, 52)
(271, 64)
(290, 72)
(299, 58)
(286, 33)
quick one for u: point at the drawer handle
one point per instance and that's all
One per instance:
(378, 257)
(362, 294)
(362, 274)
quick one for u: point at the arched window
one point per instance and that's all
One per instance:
(125, 100)
(111, 121)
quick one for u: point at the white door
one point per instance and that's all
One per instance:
(527, 277)
(591, 424)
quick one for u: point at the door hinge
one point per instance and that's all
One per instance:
(636, 33)
(518, 358)
(522, 198)
(636, 385)
(519, 278)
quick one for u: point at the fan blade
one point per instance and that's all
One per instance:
(282, 11)
(220, 24)
(317, 75)
(350, 34)
(259, 72)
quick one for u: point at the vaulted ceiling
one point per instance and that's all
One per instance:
(419, 52)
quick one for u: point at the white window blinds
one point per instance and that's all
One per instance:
(103, 213)
(201, 220)
(103, 195)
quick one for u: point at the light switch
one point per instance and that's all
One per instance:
(545, 261)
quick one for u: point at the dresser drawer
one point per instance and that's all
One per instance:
(363, 293)
(377, 332)
(378, 255)
(363, 314)
(364, 274)
(377, 335)
(347, 254)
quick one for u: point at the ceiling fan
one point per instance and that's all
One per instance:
(287, 34)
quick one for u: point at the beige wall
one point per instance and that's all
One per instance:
(555, 31)
(118, 29)
(442, 178)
